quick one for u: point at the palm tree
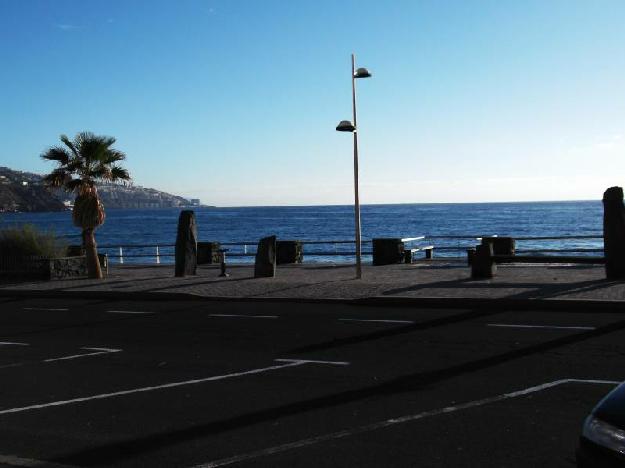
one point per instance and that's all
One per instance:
(82, 163)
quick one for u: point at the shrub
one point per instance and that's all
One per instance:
(27, 240)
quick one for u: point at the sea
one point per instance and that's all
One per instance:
(450, 228)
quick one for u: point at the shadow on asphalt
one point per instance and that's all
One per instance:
(536, 290)
(400, 330)
(115, 452)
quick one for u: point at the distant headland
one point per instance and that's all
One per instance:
(24, 191)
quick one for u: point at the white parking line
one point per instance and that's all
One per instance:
(45, 308)
(139, 312)
(102, 396)
(553, 327)
(245, 316)
(309, 361)
(10, 460)
(381, 321)
(391, 422)
(75, 356)
(11, 343)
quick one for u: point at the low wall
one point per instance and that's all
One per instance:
(34, 267)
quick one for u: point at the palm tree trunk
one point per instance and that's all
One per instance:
(91, 252)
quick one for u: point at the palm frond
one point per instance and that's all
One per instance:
(90, 158)
(76, 165)
(74, 185)
(58, 178)
(113, 156)
(119, 174)
(101, 172)
(82, 137)
(69, 144)
(58, 154)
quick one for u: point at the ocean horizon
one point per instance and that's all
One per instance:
(157, 226)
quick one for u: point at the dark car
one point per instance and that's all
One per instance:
(602, 443)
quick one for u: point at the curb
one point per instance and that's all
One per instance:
(567, 305)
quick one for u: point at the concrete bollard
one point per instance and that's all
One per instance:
(482, 264)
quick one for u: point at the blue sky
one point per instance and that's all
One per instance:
(235, 102)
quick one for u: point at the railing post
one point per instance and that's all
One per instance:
(121, 255)
(158, 257)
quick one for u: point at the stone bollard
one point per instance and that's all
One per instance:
(208, 252)
(186, 244)
(289, 251)
(614, 233)
(265, 262)
(387, 251)
(482, 264)
(501, 245)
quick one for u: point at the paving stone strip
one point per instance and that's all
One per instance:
(440, 279)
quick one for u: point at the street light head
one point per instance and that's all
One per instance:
(345, 126)
(362, 73)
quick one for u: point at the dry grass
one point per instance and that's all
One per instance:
(27, 240)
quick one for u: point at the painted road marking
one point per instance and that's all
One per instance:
(128, 312)
(7, 366)
(391, 422)
(99, 351)
(46, 308)
(102, 396)
(553, 327)
(11, 343)
(65, 358)
(245, 316)
(309, 361)
(10, 460)
(381, 321)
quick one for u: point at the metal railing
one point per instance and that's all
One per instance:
(447, 245)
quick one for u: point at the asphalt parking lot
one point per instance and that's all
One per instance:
(208, 384)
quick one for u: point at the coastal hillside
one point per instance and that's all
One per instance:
(24, 191)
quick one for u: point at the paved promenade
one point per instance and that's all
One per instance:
(436, 279)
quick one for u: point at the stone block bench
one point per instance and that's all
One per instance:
(390, 250)
(409, 254)
(484, 261)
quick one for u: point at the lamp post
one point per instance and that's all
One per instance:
(347, 126)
